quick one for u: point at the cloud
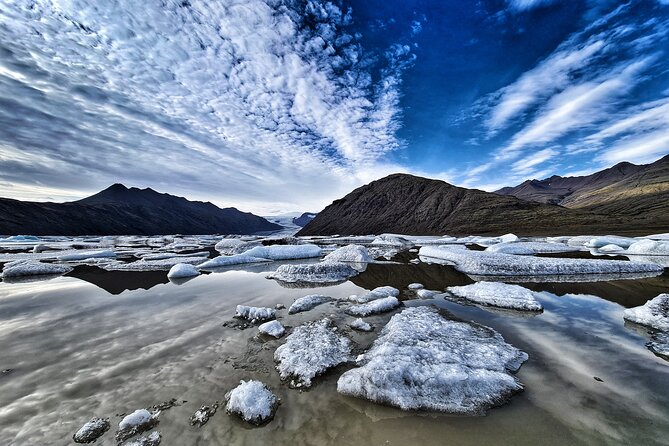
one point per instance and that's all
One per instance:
(528, 163)
(238, 102)
(524, 5)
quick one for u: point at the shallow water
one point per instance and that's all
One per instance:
(99, 343)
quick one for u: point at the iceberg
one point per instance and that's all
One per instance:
(182, 270)
(92, 430)
(272, 328)
(374, 307)
(496, 294)
(484, 263)
(313, 273)
(310, 350)
(422, 361)
(598, 242)
(22, 268)
(252, 401)
(307, 303)
(284, 252)
(530, 248)
(228, 245)
(392, 240)
(349, 254)
(610, 248)
(649, 248)
(426, 294)
(153, 265)
(235, 259)
(653, 314)
(376, 293)
(255, 314)
(415, 286)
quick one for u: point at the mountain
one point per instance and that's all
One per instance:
(408, 204)
(305, 218)
(625, 189)
(119, 210)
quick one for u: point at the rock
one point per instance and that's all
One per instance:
(92, 430)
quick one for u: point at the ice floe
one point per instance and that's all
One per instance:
(415, 286)
(610, 248)
(530, 248)
(153, 265)
(375, 294)
(182, 270)
(92, 430)
(349, 254)
(313, 273)
(235, 259)
(496, 294)
(422, 361)
(653, 314)
(310, 350)
(252, 401)
(152, 439)
(374, 307)
(483, 263)
(361, 325)
(426, 294)
(83, 255)
(648, 248)
(284, 252)
(599, 242)
(272, 328)
(23, 268)
(228, 245)
(392, 240)
(255, 314)
(307, 303)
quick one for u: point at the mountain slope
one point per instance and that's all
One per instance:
(408, 204)
(119, 210)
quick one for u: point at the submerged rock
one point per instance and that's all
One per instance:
(255, 314)
(422, 361)
(253, 402)
(135, 423)
(374, 307)
(92, 430)
(272, 328)
(314, 273)
(653, 314)
(202, 415)
(497, 294)
(307, 303)
(310, 350)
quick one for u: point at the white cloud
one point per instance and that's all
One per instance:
(637, 149)
(524, 5)
(530, 162)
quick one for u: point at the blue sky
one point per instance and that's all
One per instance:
(284, 105)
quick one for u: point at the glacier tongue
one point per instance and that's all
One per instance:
(422, 361)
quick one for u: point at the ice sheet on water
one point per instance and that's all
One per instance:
(497, 294)
(284, 252)
(374, 307)
(23, 268)
(235, 259)
(482, 263)
(182, 270)
(307, 303)
(422, 361)
(252, 401)
(313, 273)
(310, 350)
(255, 314)
(654, 313)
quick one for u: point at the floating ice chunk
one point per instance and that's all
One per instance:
(252, 401)
(426, 294)
(415, 286)
(153, 439)
(139, 421)
(182, 270)
(485, 263)
(376, 293)
(654, 313)
(228, 245)
(488, 241)
(374, 307)
(169, 255)
(153, 265)
(530, 248)
(40, 248)
(310, 350)
(497, 294)
(22, 268)
(649, 247)
(284, 252)
(19, 239)
(272, 328)
(610, 248)
(598, 242)
(349, 253)
(422, 361)
(83, 255)
(307, 303)
(92, 430)
(316, 273)
(392, 240)
(255, 314)
(236, 259)
(360, 325)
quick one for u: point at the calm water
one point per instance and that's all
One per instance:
(99, 343)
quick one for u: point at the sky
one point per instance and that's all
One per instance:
(276, 106)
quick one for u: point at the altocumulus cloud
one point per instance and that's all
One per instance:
(267, 105)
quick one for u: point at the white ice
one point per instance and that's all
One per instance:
(228, 245)
(497, 294)
(22, 268)
(182, 270)
(284, 252)
(135, 419)
(654, 313)
(272, 328)
(530, 248)
(422, 361)
(323, 272)
(236, 259)
(307, 303)
(310, 350)
(415, 286)
(598, 242)
(153, 265)
(610, 248)
(648, 248)
(255, 314)
(376, 293)
(83, 255)
(392, 240)
(253, 401)
(360, 325)
(349, 254)
(374, 307)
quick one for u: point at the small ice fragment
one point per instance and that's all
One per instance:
(252, 401)
(272, 328)
(374, 307)
(361, 325)
(307, 303)
(182, 270)
(415, 286)
(654, 313)
(255, 314)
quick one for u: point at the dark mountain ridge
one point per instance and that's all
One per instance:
(119, 210)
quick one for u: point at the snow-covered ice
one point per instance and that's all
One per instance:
(182, 270)
(422, 361)
(610, 248)
(307, 303)
(132, 424)
(92, 430)
(485, 263)
(497, 294)
(252, 401)
(654, 313)
(316, 273)
(648, 248)
(22, 268)
(349, 254)
(310, 350)
(284, 252)
(272, 328)
(255, 314)
(235, 259)
(361, 325)
(374, 307)
(375, 294)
